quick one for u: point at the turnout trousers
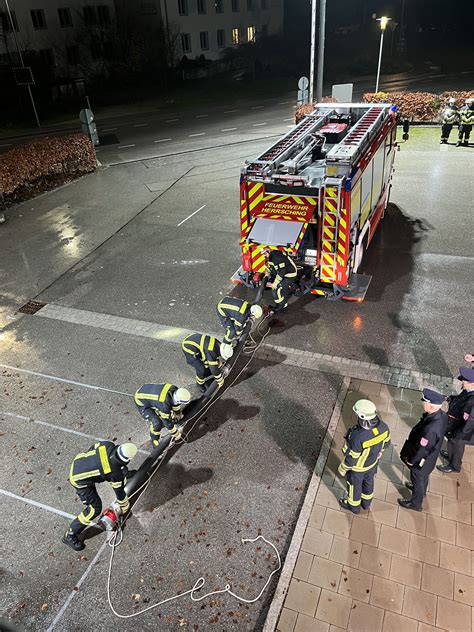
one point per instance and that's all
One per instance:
(202, 371)
(92, 508)
(281, 294)
(464, 130)
(360, 489)
(233, 329)
(446, 131)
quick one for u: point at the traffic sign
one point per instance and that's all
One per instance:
(23, 76)
(303, 83)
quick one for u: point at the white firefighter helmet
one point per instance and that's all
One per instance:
(365, 409)
(451, 101)
(226, 351)
(181, 396)
(126, 452)
(256, 311)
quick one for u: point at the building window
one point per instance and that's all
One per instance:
(103, 13)
(47, 57)
(186, 42)
(219, 4)
(90, 16)
(264, 4)
(235, 6)
(148, 8)
(65, 18)
(183, 7)
(249, 5)
(38, 19)
(235, 36)
(72, 53)
(220, 38)
(5, 23)
(250, 34)
(202, 6)
(204, 39)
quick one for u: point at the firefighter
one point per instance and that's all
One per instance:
(420, 451)
(207, 356)
(363, 447)
(460, 430)
(233, 314)
(281, 271)
(160, 405)
(466, 121)
(103, 461)
(449, 117)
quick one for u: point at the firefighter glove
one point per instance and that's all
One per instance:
(176, 433)
(124, 505)
(177, 416)
(342, 469)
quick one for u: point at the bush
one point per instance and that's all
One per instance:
(43, 164)
(415, 106)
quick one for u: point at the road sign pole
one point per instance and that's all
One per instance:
(322, 35)
(34, 106)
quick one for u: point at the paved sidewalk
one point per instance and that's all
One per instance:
(388, 569)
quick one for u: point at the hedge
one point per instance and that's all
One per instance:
(43, 164)
(419, 107)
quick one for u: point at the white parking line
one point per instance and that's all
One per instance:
(171, 120)
(201, 115)
(200, 134)
(61, 379)
(35, 503)
(76, 588)
(228, 129)
(141, 124)
(110, 129)
(189, 216)
(125, 146)
(56, 427)
(161, 140)
(290, 119)
(258, 124)
(229, 111)
(257, 107)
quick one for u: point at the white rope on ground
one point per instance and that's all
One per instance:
(117, 536)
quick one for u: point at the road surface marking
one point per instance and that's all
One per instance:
(257, 107)
(258, 124)
(228, 129)
(290, 119)
(284, 102)
(110, 129)
(75, 590)
(201, 115)
(6, 145)
(125, 146)
(171, 120)
(436, 76)
(61, 379)
(229, 111)
(467, 72)
(161, 140)
(141, 124)
(56, 427)
(35, 503)
(193, 135)
(189, 216)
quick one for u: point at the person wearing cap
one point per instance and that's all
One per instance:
(363, 447)
(281, 271)
(207, 356)
(160, 405)
(449, 117)
(466, 121)
(420, 451)
(460, 431)
(103, 461)
(234, 314)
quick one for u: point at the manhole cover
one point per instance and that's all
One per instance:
(31, 307)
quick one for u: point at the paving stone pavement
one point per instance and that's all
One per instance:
(387, 569)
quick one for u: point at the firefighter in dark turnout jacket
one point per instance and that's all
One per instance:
(281, 271)
(460, 431)
(420, 451)
(466, 121)
(363, 447)
(104, 461)
(206, 355)
(233, 314)
(160, 405)
(449, 117)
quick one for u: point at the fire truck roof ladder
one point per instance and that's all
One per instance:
(284, 148)
(349, 150)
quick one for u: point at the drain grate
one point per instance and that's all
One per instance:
(31, 307)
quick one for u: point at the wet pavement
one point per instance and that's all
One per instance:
(127, 241)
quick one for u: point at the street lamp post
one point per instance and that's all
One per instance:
(313, 50)
(383, 25)
(322, 33)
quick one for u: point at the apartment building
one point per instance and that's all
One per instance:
(207, 27)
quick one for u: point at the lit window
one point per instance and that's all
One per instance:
(204, 39)
(235, 36)
(38, 19)
(186, 42)
(250, 34)
(220, 38)
(65, 18)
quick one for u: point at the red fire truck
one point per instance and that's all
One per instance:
(319, 194)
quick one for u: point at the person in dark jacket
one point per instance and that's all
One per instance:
(460, 431)
(282, 272)
(420, 451)
(449, 117)
(160, 405)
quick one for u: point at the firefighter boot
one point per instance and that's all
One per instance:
(73, 541)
